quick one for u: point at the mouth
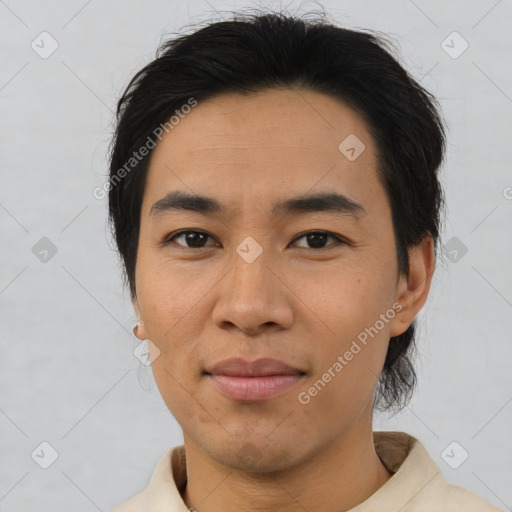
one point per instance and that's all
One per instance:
(253, 381)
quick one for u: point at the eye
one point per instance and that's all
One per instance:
(196, 239)
(318, 238)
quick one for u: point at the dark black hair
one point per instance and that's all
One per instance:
(254, 52)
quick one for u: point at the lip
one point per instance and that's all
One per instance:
(253, 381)
(239, 367)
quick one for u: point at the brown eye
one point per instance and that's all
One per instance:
(317, 239)
(192, 239)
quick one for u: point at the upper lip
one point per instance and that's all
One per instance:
(238, 367)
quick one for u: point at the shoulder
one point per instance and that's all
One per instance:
(132, 505)
(161, 493)
(467, 501)
(417, 484)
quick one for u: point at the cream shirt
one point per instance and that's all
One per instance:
(417, 484)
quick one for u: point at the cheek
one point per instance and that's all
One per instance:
(170, 306)
(336, 399)
(342, 299)
(170, 297)
(355, 343)
(346, 372)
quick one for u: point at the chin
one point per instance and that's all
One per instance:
(253, 455)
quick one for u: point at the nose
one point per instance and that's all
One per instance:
(254, 297)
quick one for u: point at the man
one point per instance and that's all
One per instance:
(275, 201)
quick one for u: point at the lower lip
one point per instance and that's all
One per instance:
(252, 389)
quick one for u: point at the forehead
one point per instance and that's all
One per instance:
(257, 148)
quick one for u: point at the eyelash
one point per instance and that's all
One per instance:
(169, 239)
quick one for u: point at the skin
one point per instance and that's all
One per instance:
(296, 302)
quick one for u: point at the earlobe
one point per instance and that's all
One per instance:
(413, 289)
(139, 330)
(138, 326)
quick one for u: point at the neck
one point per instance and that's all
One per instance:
(337, 478)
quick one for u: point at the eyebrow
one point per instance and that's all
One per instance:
(320, 202)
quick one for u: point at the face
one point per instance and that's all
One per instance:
(300, 285)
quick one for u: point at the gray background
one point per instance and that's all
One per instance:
(68, 375)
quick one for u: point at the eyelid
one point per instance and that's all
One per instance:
(341, 240)
(168, 238)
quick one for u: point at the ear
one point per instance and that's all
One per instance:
(412, 290)
(140, 330)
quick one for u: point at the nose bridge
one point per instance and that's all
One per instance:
(250, 296)
(251, 278)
